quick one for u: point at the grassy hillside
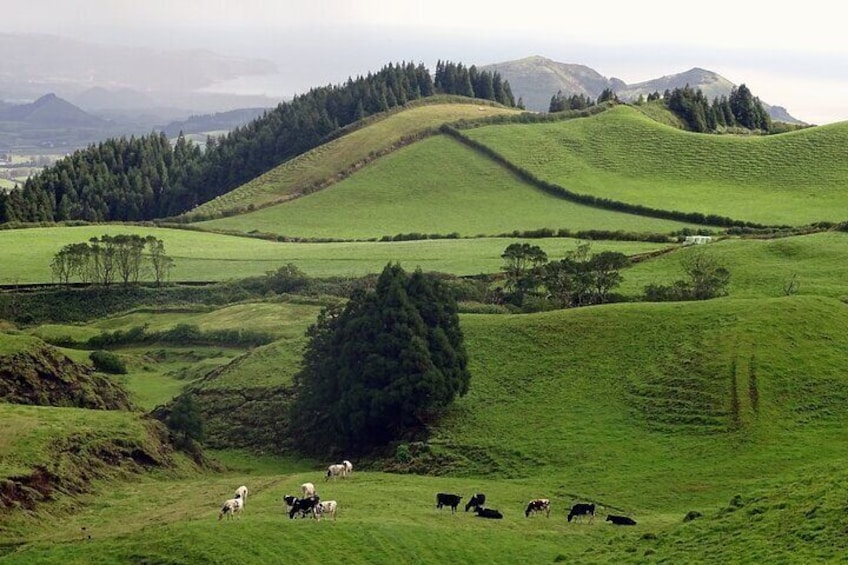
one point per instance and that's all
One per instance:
(324, 164)
(795, 178)
(436, 186)
(629, 405)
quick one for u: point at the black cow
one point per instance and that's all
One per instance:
(444, 499)
(580, 510)
(621, 520)
(479, 499)
(304, 506)
(488, 513)
(289, 500)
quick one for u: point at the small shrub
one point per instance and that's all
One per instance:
(692, 515)
(108, 362)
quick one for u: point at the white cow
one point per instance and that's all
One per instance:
(325, 507)
(308, 490)
(241, 493)
(231, 507)
(334, 471)
(348, 467)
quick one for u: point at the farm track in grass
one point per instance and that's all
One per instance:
(325, 163)
(435, 186)
(795, 178)
(201, 256)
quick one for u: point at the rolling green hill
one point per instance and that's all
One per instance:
(327, 163)
(435, 186)
(795, 178)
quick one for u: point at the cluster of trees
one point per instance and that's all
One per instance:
(381, 368)
(560, 102)
(110, 259)
(705, 277)
(581, 278)
(146, 178)
(455, 78)
(740, 109)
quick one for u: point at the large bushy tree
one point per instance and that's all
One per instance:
(381, 368)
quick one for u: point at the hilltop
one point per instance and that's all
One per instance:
(536, 79)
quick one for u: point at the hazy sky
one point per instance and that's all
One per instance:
(790, 55)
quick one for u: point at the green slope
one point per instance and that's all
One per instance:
(435, 186)
(323, 165)
(794, 178)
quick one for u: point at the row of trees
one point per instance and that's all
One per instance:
(560, 102)
(144, 178)
(111, 259)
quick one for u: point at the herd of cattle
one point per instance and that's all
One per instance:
(310, 504)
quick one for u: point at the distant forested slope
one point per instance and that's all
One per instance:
(147, 177)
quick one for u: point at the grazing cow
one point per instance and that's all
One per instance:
(327, 507)
(476, 501)
(241, 493)
(338, 470)
(444, 499)
(231, 507)
(304, 506)
(289, 500)
(538, 505)
(621, 520)
(348, 467)
(308, 490)
(580, 510)
(488, 513)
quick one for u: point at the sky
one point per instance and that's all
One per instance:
(792, 55)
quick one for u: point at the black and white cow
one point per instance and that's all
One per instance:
(538, 505)
(304, 506)
(479, 499)
(488, 513)
(580, 510)
(444, 499)
(621, 520)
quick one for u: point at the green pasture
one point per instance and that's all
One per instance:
(435, 186)
(201, 256)
(324, 163)
(760, 267)
(795, 178)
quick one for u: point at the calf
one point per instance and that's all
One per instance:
(476, 501)
(338, 470)
(580, 510)
(308, 490)
(444, 499)
(621, 520)
(304, 506)
(488, 513)
(538, 505)
(241, 493)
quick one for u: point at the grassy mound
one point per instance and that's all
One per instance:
(32, 372)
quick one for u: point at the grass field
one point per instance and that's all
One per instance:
(199, 256)
(324, 163)
(436, 186)
(795, 178)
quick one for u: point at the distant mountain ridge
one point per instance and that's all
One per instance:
(536, 79)
(50, 111)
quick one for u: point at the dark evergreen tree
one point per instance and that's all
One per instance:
(380, 369)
